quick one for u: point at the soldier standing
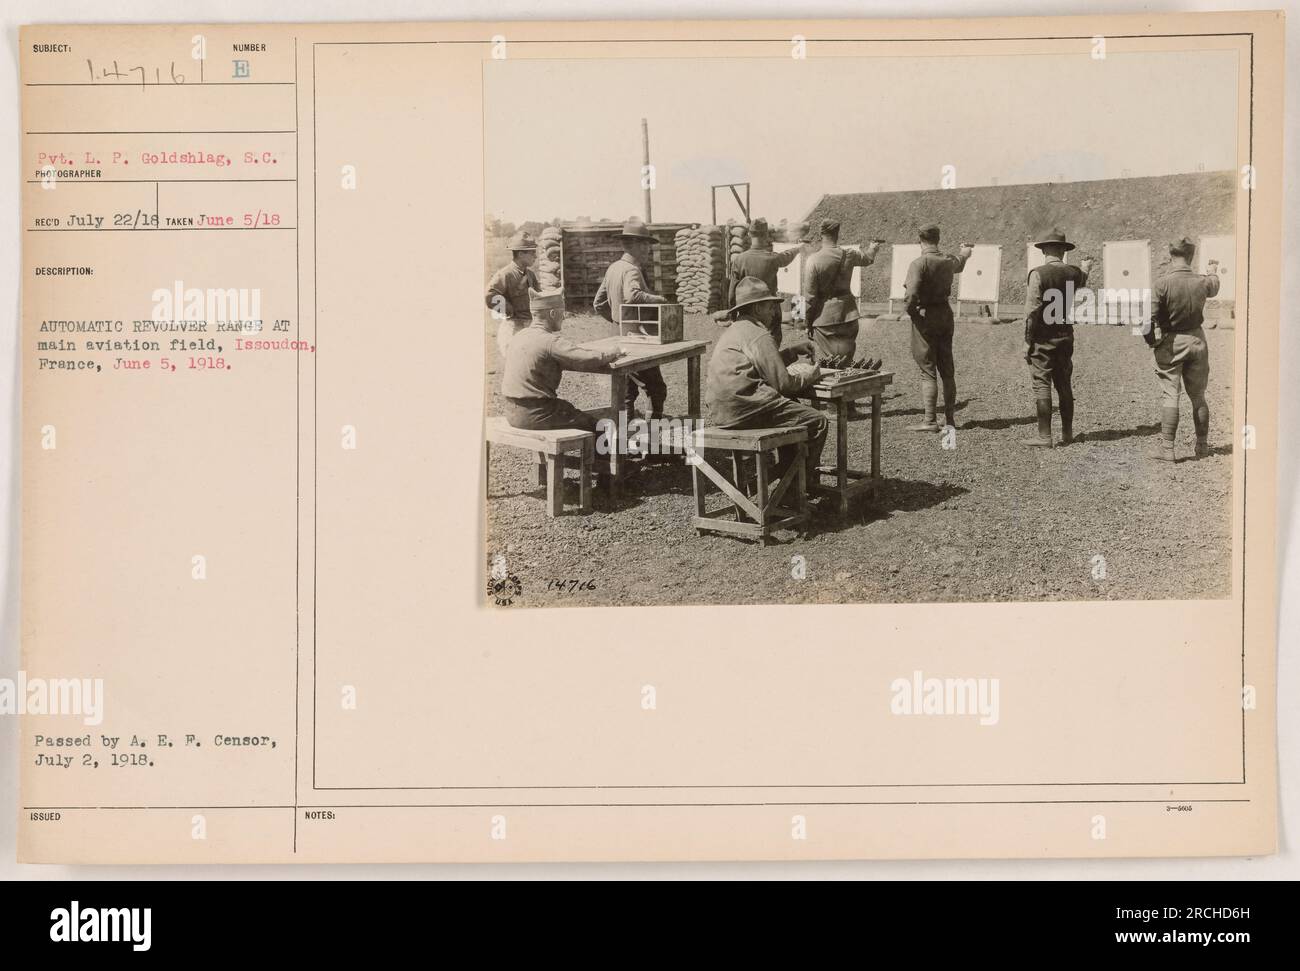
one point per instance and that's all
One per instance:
(759, 260)
(830, 307)
(929, 285)
(1181, 356)
(1049, 334)
(507, 291)
(625, 283)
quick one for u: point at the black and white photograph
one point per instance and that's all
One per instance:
(844, 329)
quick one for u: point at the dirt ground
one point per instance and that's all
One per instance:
(989, 520)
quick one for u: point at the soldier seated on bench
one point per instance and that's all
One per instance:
(536, 360)
(748, 376)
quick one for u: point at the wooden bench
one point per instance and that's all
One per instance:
(551, 446)
(758, 515)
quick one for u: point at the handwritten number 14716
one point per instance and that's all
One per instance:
(129, 75)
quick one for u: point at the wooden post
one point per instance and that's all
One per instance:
(693, 386)
(842, 451)
(645, 169)
(875, 436)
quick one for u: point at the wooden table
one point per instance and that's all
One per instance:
(638, 357)
(849, 482)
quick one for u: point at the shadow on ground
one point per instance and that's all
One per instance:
(1000, 424)
(1115, 434)
(908, 412)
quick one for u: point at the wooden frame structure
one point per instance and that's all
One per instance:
(733, 186)
(754, 516)
(850, 483)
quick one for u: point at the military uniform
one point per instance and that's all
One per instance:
(831, 307)
(624, 282)
(1182, 358)
(928, 287)
(535, 363)
(1049, 338)
(507, 292)
(749, 384)
(760, 262)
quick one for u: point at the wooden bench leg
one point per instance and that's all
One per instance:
(802, 483)
(697, 486)
(617, 404)
(539, 471)
(875, 436)
(738, 479)
(584, 472)
(554, 471)
(760, 460)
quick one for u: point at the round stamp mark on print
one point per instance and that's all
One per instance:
(504, 589)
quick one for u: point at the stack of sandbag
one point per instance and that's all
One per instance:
(701, 256)
(737, 237)
(548, 258)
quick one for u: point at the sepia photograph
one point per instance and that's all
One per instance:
(919, 384)
(846, 329)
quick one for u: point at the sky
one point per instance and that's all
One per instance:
(563, 137)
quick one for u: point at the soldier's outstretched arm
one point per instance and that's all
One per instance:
(1212, 279)
(635, 291)
(571, 357)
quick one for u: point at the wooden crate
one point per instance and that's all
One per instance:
(652, 323)
(587, 251)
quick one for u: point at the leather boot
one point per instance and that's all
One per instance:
(1164, 450)
(1043, 409)
(1066, 408)
(929, 401)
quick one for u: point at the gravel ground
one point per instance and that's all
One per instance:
(987, 521)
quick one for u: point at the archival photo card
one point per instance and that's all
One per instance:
(678, 440)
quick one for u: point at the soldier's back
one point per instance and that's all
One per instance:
(762, 264)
